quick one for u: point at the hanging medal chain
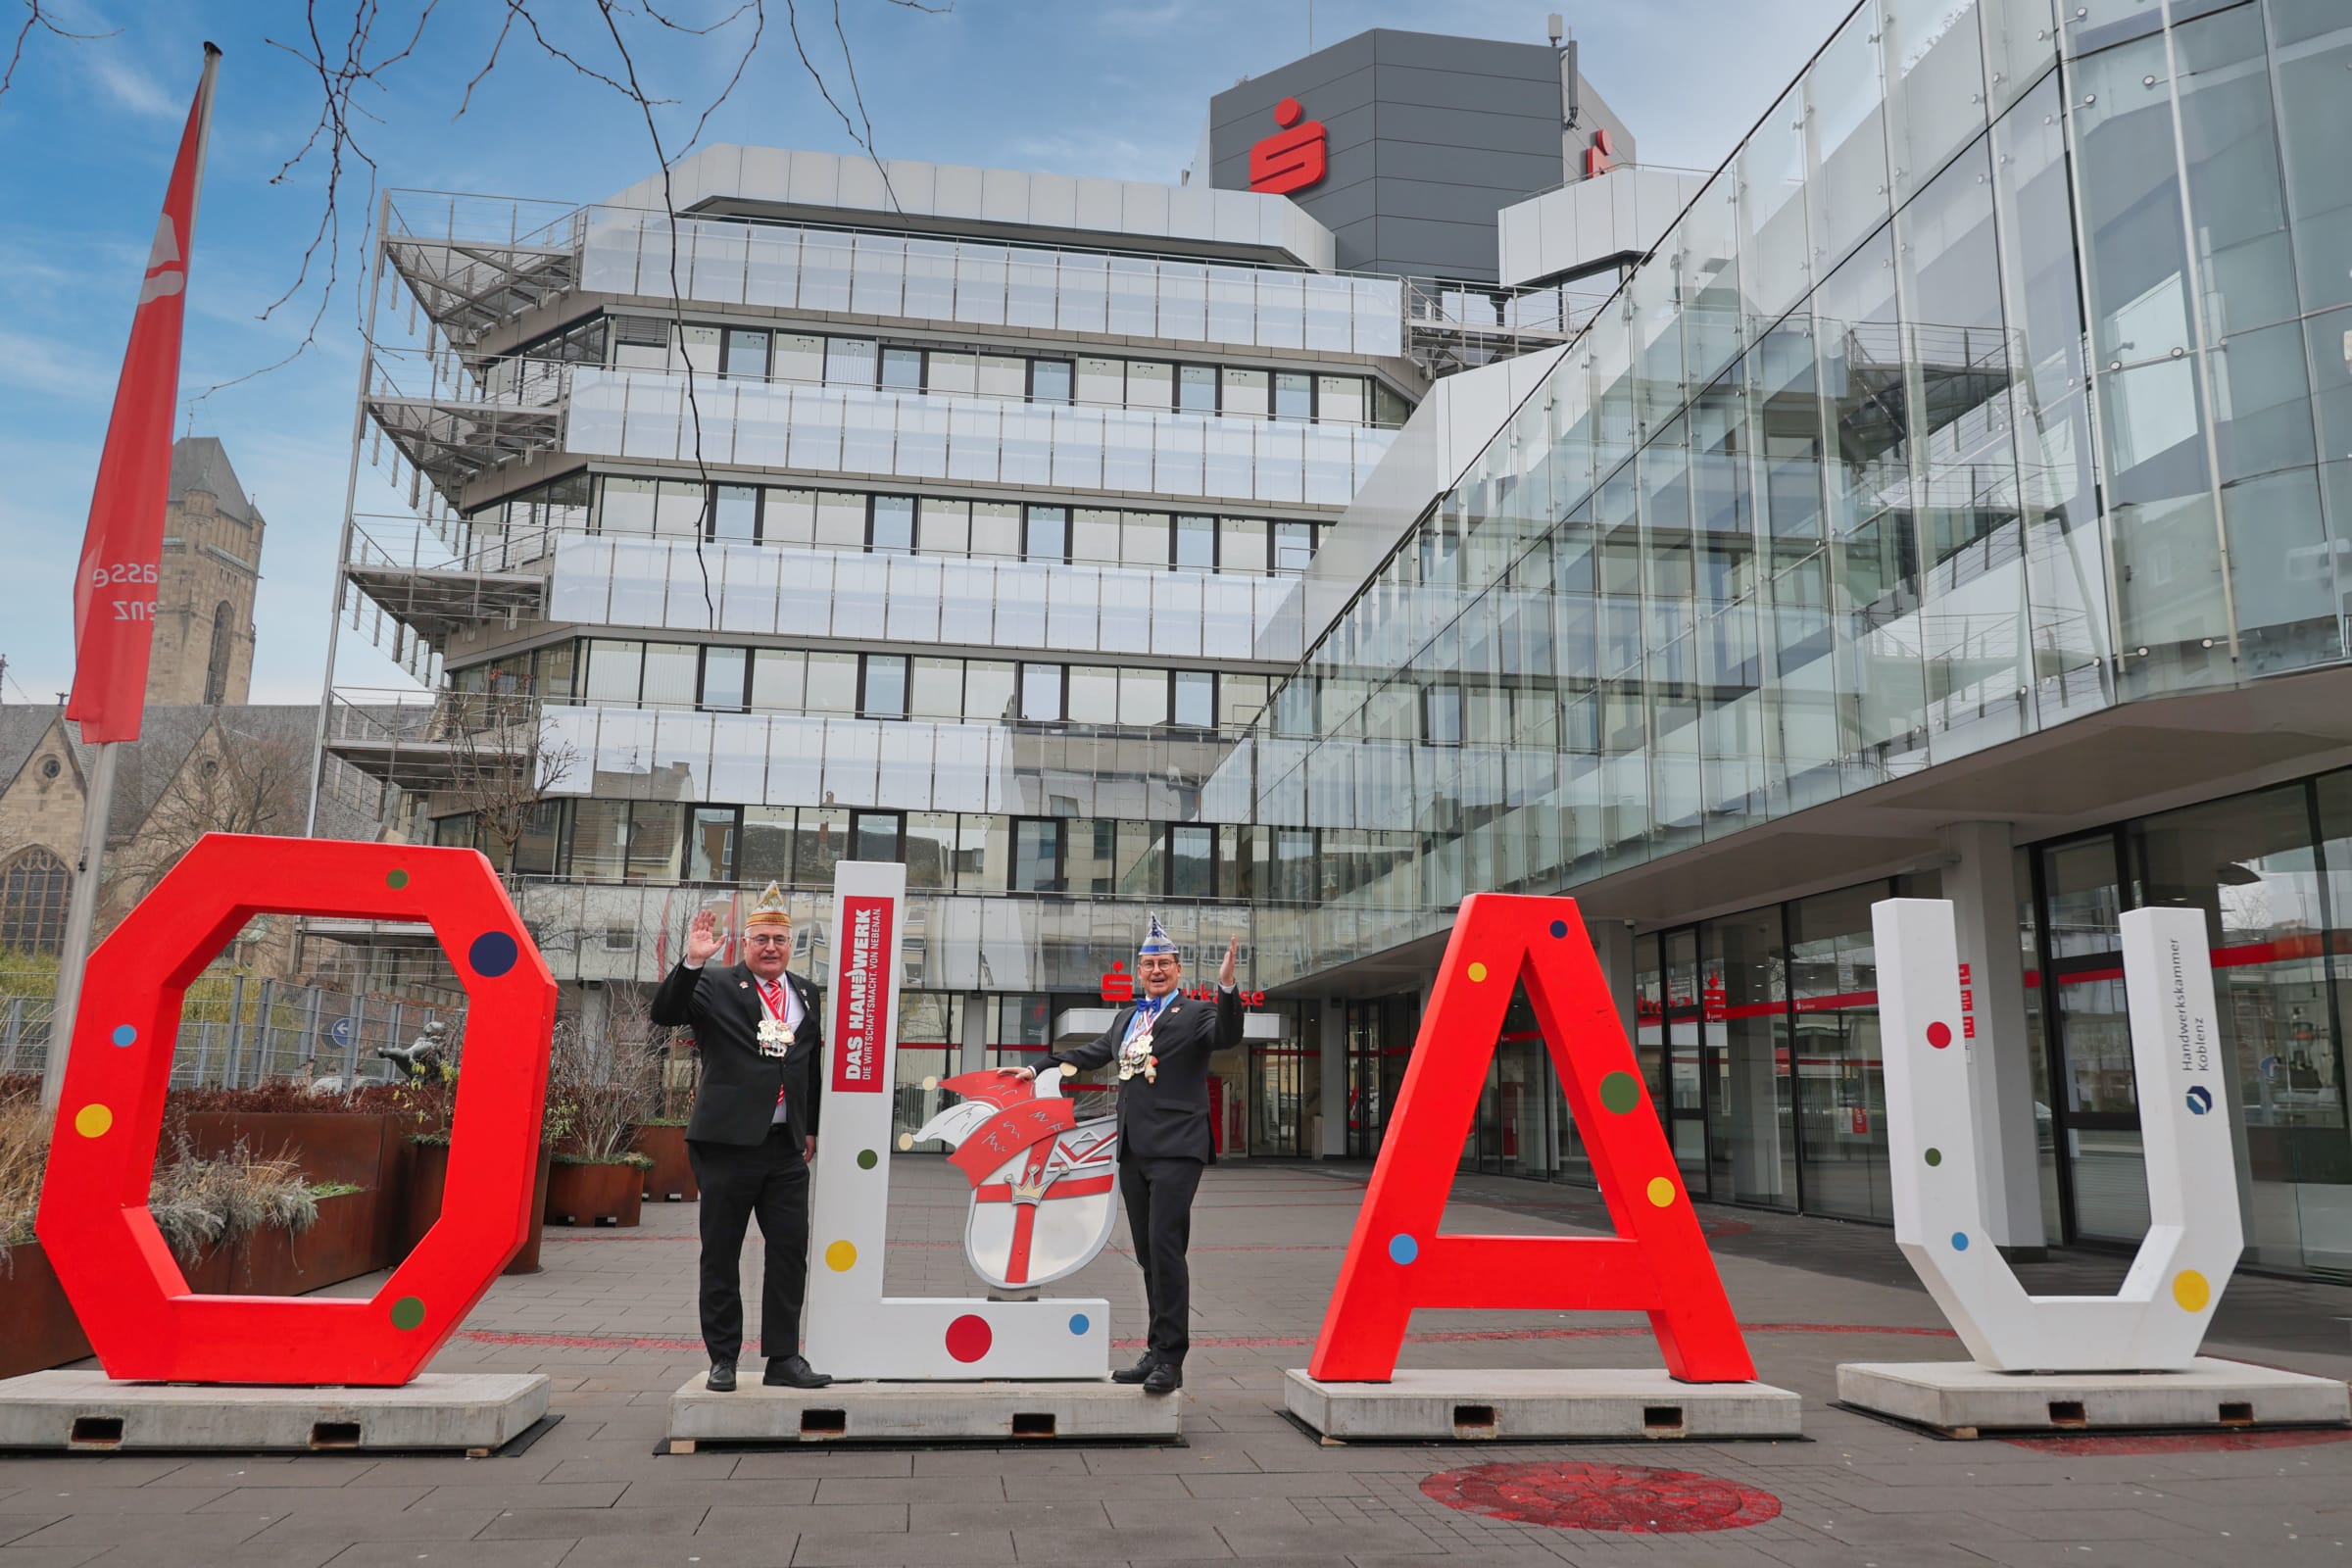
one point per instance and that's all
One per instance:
(775, 1035)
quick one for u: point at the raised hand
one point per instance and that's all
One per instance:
(1232, 951)
(701, 937)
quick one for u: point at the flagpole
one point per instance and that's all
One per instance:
(98, 804)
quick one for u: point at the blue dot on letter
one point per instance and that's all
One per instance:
(492, 954)
(1559, 928)
(1078, 1323)
(1959, 1241)
(1404, 1249)
(124, 1034)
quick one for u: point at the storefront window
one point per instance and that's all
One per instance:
(1840, 1085)
(1750, 1089)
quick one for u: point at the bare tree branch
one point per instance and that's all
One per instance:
(35, 17)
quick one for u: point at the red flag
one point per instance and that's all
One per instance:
(114, 596)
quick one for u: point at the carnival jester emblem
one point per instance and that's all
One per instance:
(1045, 1184)
(772, 912)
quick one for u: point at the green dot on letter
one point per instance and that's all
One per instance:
(867, 1159)
(396, 879)
(408, 1312)
(1620, 1092)
(1935, 1156)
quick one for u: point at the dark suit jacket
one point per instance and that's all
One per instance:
(737, 1100)
(1168, 1117)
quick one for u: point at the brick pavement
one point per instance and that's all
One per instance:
(612, 1322)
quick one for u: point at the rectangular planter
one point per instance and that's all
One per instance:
(426, 1182)
(593, 1195)
(369, 1150)
(337, 1247)
(41, 1331)
(671, 1180)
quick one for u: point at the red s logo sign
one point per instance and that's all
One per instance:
(1292, 159)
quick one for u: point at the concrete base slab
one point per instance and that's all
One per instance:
(1524, 1405)
(88, 1412)
(923, 1412)
(1961, 1400)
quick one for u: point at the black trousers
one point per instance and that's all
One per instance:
(1159, 1193)
(769, 1179)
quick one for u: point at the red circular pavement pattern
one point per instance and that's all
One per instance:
(1632, 1499)
(2129, 1442)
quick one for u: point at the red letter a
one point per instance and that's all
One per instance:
(1656, 1263)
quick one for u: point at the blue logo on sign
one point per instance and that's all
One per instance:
(2200, 1100)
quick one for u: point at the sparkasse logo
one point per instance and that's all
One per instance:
(1292, 157)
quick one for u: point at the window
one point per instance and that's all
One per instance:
(953, 373)
(841, 519)
(1094, 536)
(1092, 696)
(1047, 536)
(723, 679)
(1192, 861)
(736, 517)
(848, 361)
(1102, 382)
(874, 835)
(456, 832)
(779, 679)
(1389, 408)
(1004, 375)
(832, 683)
(1245, 393)
(1294, 546)
(902, 370)
(1295, 865)
(625, 506)
(929, 850)
(893, 532)
(995, 529)
(216, 664)
(695, 345)
(1036, 857)
(1194, 695)
(657, 836)
(1041, 692)
(1143, 698)
(1196, 544)
(988, 689)
(885, 686)
(1150, 387)
(1241, 545)
(787, 516)
(600, 839)
(670, 674)
(535, 845)
(747, 356)
(1195, 389)
(50, 768)
(1294, 708)
(1050, 381)
(818, 845)
(947, 528)
(937, 689)
(763, 846)
(798, 357)
(1294, 394)
(1339, 400)
(1442, 715)
(710, 844)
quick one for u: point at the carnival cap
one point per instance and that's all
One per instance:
(1156, 941)
(769, 909)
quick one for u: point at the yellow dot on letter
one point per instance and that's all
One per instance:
(92, 1121)
(841, 1258)
(1478, 971)
(1661, 1191)
(2190, 1290)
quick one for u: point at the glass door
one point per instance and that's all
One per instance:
(2097, 1115)
(1686, 1100)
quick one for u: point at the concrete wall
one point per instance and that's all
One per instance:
(1626, 210)
(1429, 137)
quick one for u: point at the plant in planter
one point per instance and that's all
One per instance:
(600, 1084)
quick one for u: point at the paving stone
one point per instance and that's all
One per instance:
(935, 1550)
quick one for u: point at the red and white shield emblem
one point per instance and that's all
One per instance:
(1045, 1184)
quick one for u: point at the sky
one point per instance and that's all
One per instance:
(87, 131)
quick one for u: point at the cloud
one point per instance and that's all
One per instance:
(133, 88)
(53, 368)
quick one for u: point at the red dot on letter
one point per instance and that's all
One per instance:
(1286, 112)
(1939, 1035)
(968, 1338)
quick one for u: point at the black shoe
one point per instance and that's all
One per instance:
(793, 1372)
(1138, 1372)
(1166, 1378)
(722, 1379)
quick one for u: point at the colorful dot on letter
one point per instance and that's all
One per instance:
(92, 1121)
(1079, 1323)
(408, 1312)
(867, 1159)
(1478, 971)
(1959, 1241)
(1559, 928)
(1661, 1191)
(1939, 1035)
(2190, 1290)
(1935, 1156)
(492, 954)
(396, 880)
(1620, 1092)
(841, 1258)
(1404, 1249)
(124, 1034)
(969, 1337)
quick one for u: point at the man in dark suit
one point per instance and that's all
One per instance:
(753, 1132)
(1162, 1046)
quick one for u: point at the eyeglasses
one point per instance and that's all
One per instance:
(767, 941)
(1156, 963)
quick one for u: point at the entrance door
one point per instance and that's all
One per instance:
(1685, 1098)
